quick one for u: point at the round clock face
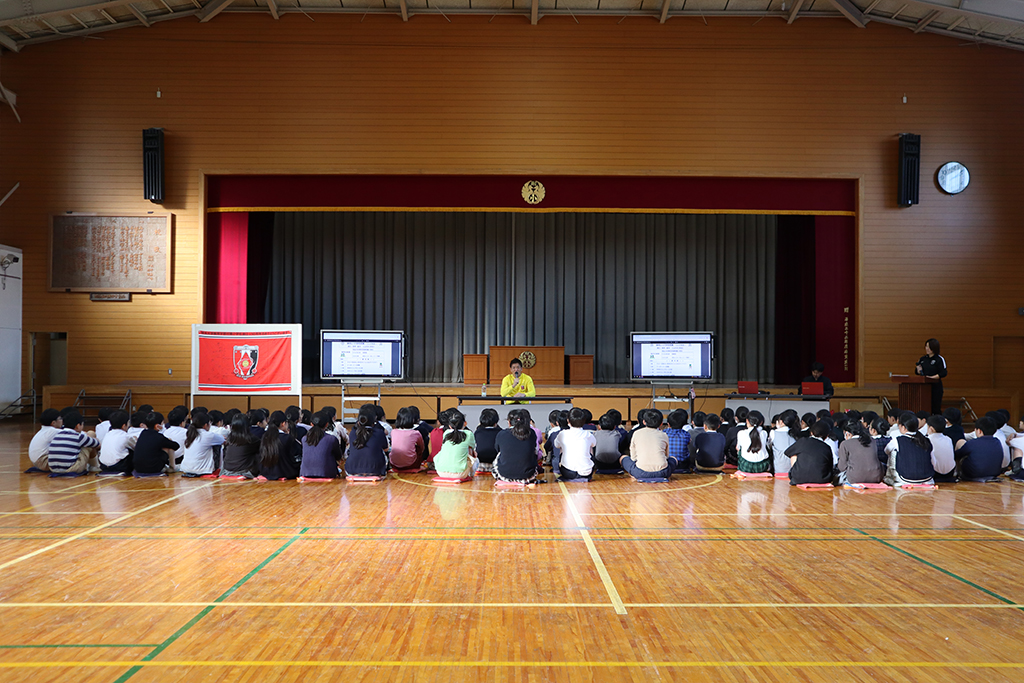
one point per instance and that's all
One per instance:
(954, 177)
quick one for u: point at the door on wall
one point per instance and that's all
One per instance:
(49, 360)
(1008, 363)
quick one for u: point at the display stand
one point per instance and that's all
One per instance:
(354, 412)
(655, 399)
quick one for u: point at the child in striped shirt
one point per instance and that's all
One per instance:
(72, 450)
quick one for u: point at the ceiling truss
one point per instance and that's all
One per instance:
(973, 21)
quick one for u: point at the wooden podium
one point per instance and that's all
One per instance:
(550, 367)
(915, 392)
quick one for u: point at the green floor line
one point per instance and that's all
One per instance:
(206, 610)
(948, 573)
(48, 647)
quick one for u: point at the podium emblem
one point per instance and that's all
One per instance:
(244, 360)
(533, 192)
(528, 359)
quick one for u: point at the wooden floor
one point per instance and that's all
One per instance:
(702, 579)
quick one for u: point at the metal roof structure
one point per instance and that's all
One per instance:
(996, 22)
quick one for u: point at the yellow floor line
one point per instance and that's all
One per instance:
(990, 528)
(514, 605)
(602, 571)
(93, 530)
(518, 665)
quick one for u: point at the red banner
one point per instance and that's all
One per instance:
(245, 362)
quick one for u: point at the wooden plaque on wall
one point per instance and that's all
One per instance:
(110, 252)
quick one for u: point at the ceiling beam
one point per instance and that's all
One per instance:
(793, 12)
(927, 19)
(106, 15)
(534, 12)
(956, 22)
(405, 10)
(850, 11)
(873, 5)
(212, 9)
(664, 10)
(272, 4)
(139, 15)
(9, 43)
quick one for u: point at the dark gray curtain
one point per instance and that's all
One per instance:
(461, 282)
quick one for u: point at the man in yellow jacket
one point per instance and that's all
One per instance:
(516, 384)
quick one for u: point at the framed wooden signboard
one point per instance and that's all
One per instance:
(110, 252)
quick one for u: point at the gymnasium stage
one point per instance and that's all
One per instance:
(701, 579)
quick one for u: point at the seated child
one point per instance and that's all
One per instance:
(517, 451)
(679, 440)
(116, 449)
(407, 447)
(71, 449)
(199, 458)
(51, 423)
(280, 453)
(648, 450)
(153, 451)
(943, 460)
(104, 426)
(606, 448)
(457, 457)
(707, 446)
(422, 427)
(982, 457)
(175, 431)
(437, 435)
(575, 449)
(484, 436)
(878, 431)
(740, 423)
(321, 449)
(787, 429)
(910, 455)
(588, 421)
(811, 458)
(549, 434)
(752, 445)
(241, 449)
(858, 456)
(551, 452)
(954, 427)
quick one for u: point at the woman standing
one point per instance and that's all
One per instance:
(933, 366)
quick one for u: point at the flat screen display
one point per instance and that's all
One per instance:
(667, 356)
(362, 354)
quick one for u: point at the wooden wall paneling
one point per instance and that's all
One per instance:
(223, 403)
(602, 98)
(597, 405)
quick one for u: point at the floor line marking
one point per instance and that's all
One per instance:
(522, 664)
(936, 567)
(206, 610)
(93, 530)
(47, 647)
(990, 528)
(602, 571)
(770, 514)
(514, 605)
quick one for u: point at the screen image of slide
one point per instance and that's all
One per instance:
(671, 355)
(361, 354)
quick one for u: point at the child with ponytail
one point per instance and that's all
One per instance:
(201, 448)
(457, 457)
(752, 445)
(910, 455)
(517, 451)
(280, 453)
(321, 451)
(368, 446)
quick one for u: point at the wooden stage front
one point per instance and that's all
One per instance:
(701, 579)
(432, 398)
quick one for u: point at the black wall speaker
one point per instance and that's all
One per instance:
(153, 164)
(910, 169)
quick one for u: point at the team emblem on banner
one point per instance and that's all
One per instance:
(245, 359)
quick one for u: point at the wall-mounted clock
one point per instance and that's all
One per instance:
(953, 177)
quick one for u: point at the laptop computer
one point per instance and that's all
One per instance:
(747, 387)
(812, 388)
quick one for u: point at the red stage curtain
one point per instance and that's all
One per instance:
(227, 249)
